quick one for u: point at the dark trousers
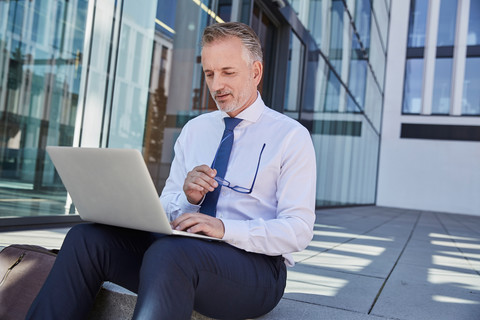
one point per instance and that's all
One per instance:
(172, 276)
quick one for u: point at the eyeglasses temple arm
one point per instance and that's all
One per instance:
(256, 171)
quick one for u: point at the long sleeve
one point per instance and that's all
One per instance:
(173, 198)
(277, 217)
(292, 228)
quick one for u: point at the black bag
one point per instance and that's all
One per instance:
(23, 270)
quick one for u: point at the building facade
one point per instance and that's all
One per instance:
(430, 148)
(116, 74)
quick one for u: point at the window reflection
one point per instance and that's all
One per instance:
(412, 96)
(363, 22)
(471, 88)
(442, 86)
(357, 82)
(294, 74)
(40, 68)
(377, 56)
(315, 20)
(332, 101)
(144, 81)
(130, 91)
(381, 15)
(267, 33)
(373, 101)
(473, 37)
(447, 23)
(336, 35)
(177, 90)
(346, 115)
(417, 23)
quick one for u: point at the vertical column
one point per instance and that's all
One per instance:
(429, 55)
(236, 10)
(346, 55)
(459, 57)
(83, 83)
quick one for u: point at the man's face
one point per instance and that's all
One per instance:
(231, 78)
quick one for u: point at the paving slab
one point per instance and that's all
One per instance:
(292, 309)
(429, 293)
(341, 290)
(442, 253)
(48, 238)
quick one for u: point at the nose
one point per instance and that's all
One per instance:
(216, 83)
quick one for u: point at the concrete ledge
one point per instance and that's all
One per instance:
(116, 303)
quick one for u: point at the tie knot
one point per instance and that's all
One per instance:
(231, 123)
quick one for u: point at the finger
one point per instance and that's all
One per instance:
(175, 223)
(206, 170)
(202, 176)
(202, 184)
(212, 227)
(187, 221)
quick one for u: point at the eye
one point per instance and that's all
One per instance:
(208, 75)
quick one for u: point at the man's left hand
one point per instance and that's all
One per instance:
(200, 223)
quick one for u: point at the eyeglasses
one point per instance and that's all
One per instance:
(226, 183)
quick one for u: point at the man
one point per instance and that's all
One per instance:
(258, 196)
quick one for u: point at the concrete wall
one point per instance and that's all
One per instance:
(420, 174)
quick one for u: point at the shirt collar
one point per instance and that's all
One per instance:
(253, 112)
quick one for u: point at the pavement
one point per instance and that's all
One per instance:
(370, 263)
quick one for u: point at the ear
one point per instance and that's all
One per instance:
(257, 69)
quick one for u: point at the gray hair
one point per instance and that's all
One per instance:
(239, 30)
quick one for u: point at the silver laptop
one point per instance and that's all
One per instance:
(114, 187)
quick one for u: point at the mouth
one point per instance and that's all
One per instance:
(220, 96)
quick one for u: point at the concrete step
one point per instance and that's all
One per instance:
(116, 303)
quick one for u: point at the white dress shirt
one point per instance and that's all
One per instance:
(277, 217)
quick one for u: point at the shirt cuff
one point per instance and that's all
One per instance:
(186, 206)
(236, 231)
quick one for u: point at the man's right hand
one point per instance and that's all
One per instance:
(198, 182)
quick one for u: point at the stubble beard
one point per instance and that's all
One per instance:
(238, 102)
(232, 106)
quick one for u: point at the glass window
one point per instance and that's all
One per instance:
(474, 24)
(294, 74)
(348, 174)
(412, 94)
(377, 57)
(315, 20)
(417, 23)
(177, 90)
(267, 33)
(130, 93)
(40, 71)
(442, 86)
(165, 19)
(321, 84)
(357, 82)
(447, 23)
(471, 87)
(332, 99)
(381, 15)
(336, 35)
(312, 69)
(97, 78)
(295, 5)
(373, 101)
(363, 19)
